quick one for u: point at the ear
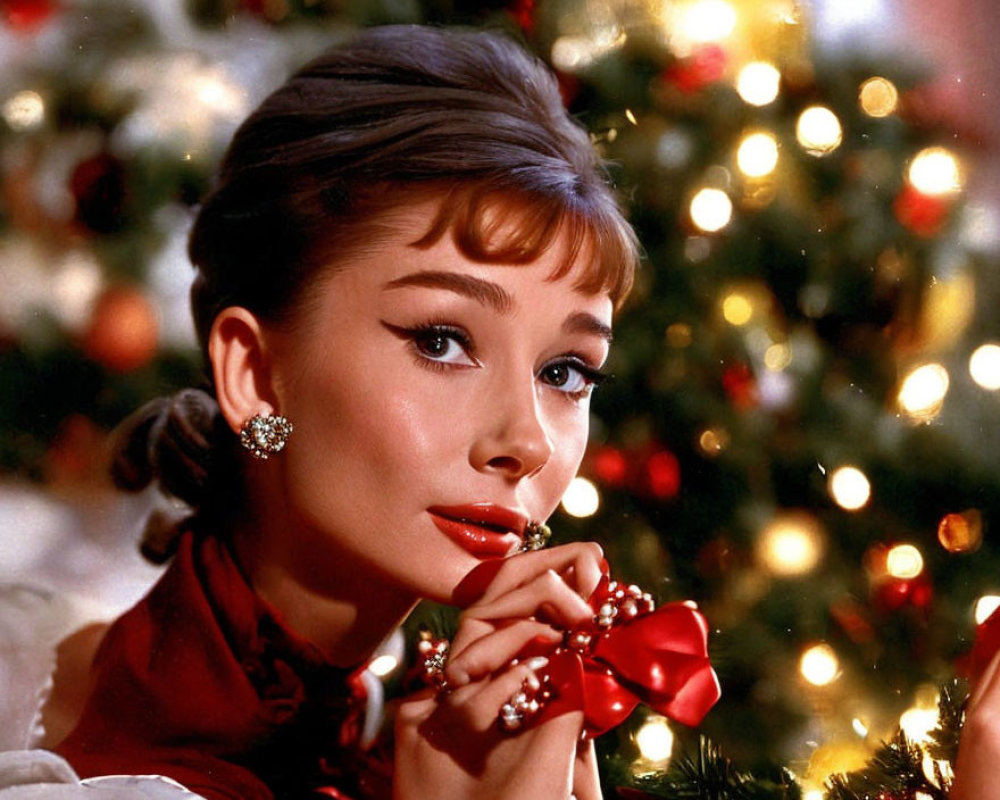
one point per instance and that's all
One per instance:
(240, 366)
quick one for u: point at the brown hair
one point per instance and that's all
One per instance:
(397, 115)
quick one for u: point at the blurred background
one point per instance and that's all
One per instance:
(802, 434)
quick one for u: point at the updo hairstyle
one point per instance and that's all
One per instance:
(396, 116)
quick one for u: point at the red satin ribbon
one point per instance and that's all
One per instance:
(659, 658)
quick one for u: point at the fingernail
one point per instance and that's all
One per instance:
(537, 662)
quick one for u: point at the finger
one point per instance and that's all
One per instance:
(586, 779)
(546, 596)
(489, 653)
(580, 561)
(483, 708)
(989, 683)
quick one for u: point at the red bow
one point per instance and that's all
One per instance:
(628, 654)
(658, 658)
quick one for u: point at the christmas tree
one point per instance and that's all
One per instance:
(801, 431)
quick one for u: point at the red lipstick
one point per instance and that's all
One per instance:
(483, 529)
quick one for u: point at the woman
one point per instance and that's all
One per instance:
(407, 272)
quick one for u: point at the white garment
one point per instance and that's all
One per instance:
(32, 623)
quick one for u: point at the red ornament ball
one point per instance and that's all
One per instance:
(123, 330)
(922, 214)
(610, 466)
(663, 471)
(27, 16)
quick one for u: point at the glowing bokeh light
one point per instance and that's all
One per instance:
(581, 498)
(935, 171)
(757, 155)
(758, 83)
(383, 665)
(961, 533)
(713, 441)
(654, 739)
(859, 727)
(711, 210)
(878, 97)
(917, 723)
(984, 607)
(819, 665)
(984, 366)
(818, 131)
(708, 20)
(790, 545)
(24, 110)
(904, 561)
(778, 356)
(737, 309)
(923, 391)
(849, 487)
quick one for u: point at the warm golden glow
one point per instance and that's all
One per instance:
(849, 487)
(24, 110)
(790, 545)
(917, 723)
(878, 97)
(935, 171)
(819, 665)
(757, 155)
(713, 441)
(923, 391)
(758, 83)
(570, 53)
(581, 498)
(711, 210)
(654, 739)
(707, 20)
(985, 606)
(679, 335)
(984, 366)
(904, 561)
(778, 356)
(737, 309)
(818, 131)
(961, 533)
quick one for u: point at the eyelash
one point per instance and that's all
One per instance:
(591, 375)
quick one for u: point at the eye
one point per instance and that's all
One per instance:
(571, 376)
(438, 344)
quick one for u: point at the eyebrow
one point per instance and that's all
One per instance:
(483, 292)
(582, 322)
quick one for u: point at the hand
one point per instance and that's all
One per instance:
(449, 745)
(979, 749)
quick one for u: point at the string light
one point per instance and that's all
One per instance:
(791, 544)
(878, 97)
(819, 665)
(922, 392)
(818, 131)
(849, 487)
(24, 111)
(859, 727)
(758, 83)
(654, 739)
(572, 53)
(917, 723)
(581, 498)
(711, 210)
(904, 561)
(757, 155)
(984, 366)
(737, 309)
(778, 356)
(984, 607)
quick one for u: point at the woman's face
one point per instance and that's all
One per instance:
(439, 404)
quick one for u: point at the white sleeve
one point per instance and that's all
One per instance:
(42, 775)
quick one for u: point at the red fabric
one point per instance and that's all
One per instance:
(659, 658)
(203, 683)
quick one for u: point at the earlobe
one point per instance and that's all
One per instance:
(240, 366)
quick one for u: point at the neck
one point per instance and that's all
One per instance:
(342, 608)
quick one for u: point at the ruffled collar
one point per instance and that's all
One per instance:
(202, 682)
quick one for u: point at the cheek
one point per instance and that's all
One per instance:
(569, 444)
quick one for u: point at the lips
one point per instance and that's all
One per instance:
(483, 529)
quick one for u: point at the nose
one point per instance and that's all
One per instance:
(512, 438)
